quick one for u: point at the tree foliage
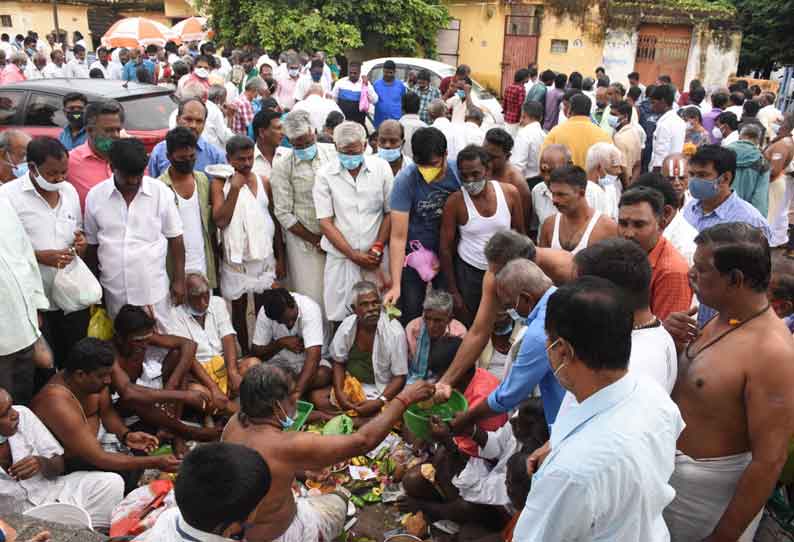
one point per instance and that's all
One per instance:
(768, 33)
(406, 27)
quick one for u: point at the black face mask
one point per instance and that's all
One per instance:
(183, 166)
(75, 118)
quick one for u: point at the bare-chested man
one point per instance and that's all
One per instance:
(499, 145)
(77, 399)
(577, 225)
(733, 390)
(267, 407)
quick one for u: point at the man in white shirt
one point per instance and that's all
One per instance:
(290, 326)
(680, 233)
(670, 130)
(473, 134)
(769, 115)
(22, 296)
(529, 140)
(122, 56)
(352, 201)
(32, 470)
(314, 76)
(77, 67)
(454, 135)
(102, 62)
(317, 106)
(609, 459)
(35, 69)
(55, 68)
(410, 120)
(728, 125)
(131, 223)
(218, 487)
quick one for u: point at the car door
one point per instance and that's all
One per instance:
(11, 108)
(44, 114)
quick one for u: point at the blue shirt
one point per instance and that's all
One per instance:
(128, 73)
(531, 368)
(733, 209)
(390, 100)
(71, 142)
(206, 154)
(424, 202)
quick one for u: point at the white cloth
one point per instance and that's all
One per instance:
(193, 236)
(455, 137)
(168, 527)
(318, 108)
(769, 115)
(76, 69)
(47, 228)
(736, 110)
(410, 123)
(216, 131)
(133, 241)
(733, 137)
(526, 151)
(779, 202)
(668, 138)
(481, 481)
(104, 69)
(52, 71)
(209, 337)
(478, 229)
(358, 207)
(344, 84)
(305, 81)
(543, 207)
(583, 241)
(606, 478)
(32, 72)
(704, 488)
(389, 350)
(499, 364)
(682, 236)
(262, 165)
(317, 518)
(304, 265)
(308, 326)
(116, 69)
(473, 134)
(21, 291)
(612, 189)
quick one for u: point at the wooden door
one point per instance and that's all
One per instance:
(520, 45)
(663, 50)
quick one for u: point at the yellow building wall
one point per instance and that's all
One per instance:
(37, 16)
(584, 54)
(482, 27)
(178, 9)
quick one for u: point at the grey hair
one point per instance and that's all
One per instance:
(198, 276)
(475, 114)
(558, 147)
(216, 92)
(751, 132)
(315, 88)
(349, 132)
(363, 287)
(8, 135)
(506, 245)
(19, 56)
(438, 300)
(263, 385)
(602, 154)
(437, 109)
(522, 275)
(255, 83)
(297, 123)
(193, 90)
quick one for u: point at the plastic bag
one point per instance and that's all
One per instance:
(75, 287)
(363, 101)
(423, 260)
(341, 425)
(100, 326)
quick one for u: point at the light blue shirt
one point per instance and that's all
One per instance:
(531, 368)
(607, 476)
(206, 154)
(733, 209)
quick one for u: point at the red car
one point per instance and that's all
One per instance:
(36, 107)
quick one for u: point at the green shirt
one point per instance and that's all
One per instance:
(359, 365)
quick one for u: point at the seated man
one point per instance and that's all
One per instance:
(291, 325)
(436, 322)
(204, 319)
(32, 470)
(75, 406)
(369, 349)
(218, 487)
(268, 403)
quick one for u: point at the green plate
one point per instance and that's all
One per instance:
(417, 419)
(301, 414)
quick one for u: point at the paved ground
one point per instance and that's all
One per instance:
(28, 527)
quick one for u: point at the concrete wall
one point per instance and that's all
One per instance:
(583, 55)
(722, 61)
(38, 17)
(178, 9)
(620, 49)
(482, 26)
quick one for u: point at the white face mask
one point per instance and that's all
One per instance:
(202, 73)
(44, 184)
(716, 133)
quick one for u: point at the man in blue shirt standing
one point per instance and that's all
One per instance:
(192, 114)
(74, 133)
(390, 93)
(137, 58)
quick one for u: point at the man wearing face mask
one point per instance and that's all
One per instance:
(14, 71)
(287, 82)
(74, 133)
(472, 216)
(670, 132)
(391, 145)
(627, 138)
(200, 73)
(13, 150)
(313, 77)
(417, 204)
(88, 163)
(77, 67)
(293, 179)
(604, 169)
(120, 58)
(49, 210)
(352, 202)
(390, 91)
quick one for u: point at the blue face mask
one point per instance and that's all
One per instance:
(20, 169)
(350, 161)
(613, 121)
(316, 77)
(390, 155)
(506, 329)
(517, 318)
(461, 94)
(307, 154)
(703, 189)
(195, 312)
(287, 422)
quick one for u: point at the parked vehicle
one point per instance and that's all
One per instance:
(36, 107)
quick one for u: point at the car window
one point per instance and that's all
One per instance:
(45, 110)
(376, 73)
(148, 112)
(10, 102)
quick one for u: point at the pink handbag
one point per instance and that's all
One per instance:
(363, 101)
(423, 261)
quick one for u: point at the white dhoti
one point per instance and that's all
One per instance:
(317, 519)
(249, 277)
(478, 483)
(777, 215)
(305, 266)
(340, 275)
(704, 488)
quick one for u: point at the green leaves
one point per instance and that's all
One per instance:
(768, 33)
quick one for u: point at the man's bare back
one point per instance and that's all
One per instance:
(56, 400)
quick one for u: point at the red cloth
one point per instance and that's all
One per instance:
(478, 390)
(512, 100)
(670, 290)
(444, 85)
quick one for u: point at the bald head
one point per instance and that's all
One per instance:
(437, 109)
(315, 89)
(553, 157)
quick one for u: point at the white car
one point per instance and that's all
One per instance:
(373, 69)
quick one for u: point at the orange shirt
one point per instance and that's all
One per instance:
(670, 290)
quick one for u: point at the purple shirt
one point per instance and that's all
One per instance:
(709, 120)
(553, 99)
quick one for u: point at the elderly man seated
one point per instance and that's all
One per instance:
(370, 357)
(436, 322)
(204, 319)
(268, 405)
(32, 470)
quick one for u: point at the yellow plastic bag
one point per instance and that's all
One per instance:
(100, 326)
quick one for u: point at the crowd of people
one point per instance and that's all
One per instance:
(607, 271)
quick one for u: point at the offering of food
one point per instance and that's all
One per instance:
(428, 472)
(393, 312)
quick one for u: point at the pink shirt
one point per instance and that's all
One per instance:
(86, 170)
(454, 329)
(12, 74)
(285, 93)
